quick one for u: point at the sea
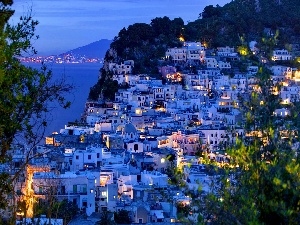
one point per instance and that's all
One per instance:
(82, 76)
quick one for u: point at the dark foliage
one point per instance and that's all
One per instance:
(25, 94)
(65, 209)
(122, 217)
(264, 187)
(105, 219)
(223, 25)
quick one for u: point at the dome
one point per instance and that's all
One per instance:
(129, 128)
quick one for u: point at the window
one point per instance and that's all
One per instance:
(17, 164)
(63, 190)
(75, 189)
(98, 155)
(89, 156)
(77, 157)
(136, 147)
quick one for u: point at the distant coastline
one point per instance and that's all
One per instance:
(65, 58)
(91, 53)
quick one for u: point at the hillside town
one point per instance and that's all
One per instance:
(145, 151)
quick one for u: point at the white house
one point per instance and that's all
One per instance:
(123, 68)
(88, 158)
(211, 63)
(76, 187)
(283, 112)
(135, 146)
(289, 94)
(176, 54)
(154, 178)
(125, 184)
(226, 51)
(281, 54)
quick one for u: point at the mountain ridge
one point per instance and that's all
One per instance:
(95, 49)
(93, 52)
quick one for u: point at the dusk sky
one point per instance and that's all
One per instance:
(68, 24)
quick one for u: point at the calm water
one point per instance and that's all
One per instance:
(82, 76)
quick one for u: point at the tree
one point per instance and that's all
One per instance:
(161, 25)
(183, 210)
(48, 187)
(262, 184)
(25, 94)
(211, 11)
(122, 217)
(64, 209)
(105, 219)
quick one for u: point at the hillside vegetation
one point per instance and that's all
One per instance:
(234, 24)
(221, 26)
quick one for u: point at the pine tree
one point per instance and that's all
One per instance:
(24, 97)
(263, 182)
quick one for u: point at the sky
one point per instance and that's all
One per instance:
(68, 24)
